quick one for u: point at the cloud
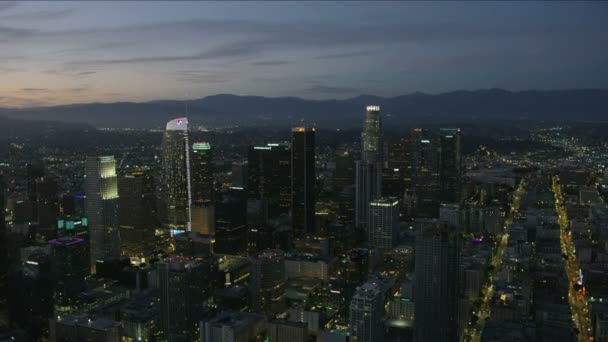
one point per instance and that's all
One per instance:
(86, 73)
(271, 63)
(39, 15)
(345, 54)
(323, 89)
(36, 90)
(5, 5)
(201, 76)
(232, 50)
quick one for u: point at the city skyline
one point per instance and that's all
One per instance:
(65, 52)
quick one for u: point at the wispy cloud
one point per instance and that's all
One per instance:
(201, 76)
(36, 90)
(271, 63)
(39, 15)
(345, 54)
(86, 73)
(232, 50)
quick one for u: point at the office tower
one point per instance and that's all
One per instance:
(201, 167)
(175, 174)
(366, 313)
(46, 205)
(279, 331)
(303, 180)
(383, 223)
(231, 219)
(185, 287)
(425, 179)
(101, 206)
(203, 217)
(353, 270)
(137, 213)
(269, 172)
(344, 173)
(33, 172)
(368, 187)
(372, 137)
(72, 328)
(450, 165)
(268, 282)
(30, 299)
(436, 284)
(69, 268)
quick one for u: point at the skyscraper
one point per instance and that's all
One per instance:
(101, 206)
(450, 165)
(436, 284)
(383, 223)
(202, 172)
(69, 268)
(425, 173)
(137, 212)
(268, 282)
(46, 204)
(368, 187)
(372, 137)
(175, 179)
(367, 313)
(368, 171)
(303, 180)
(269, 177)
(185, 285)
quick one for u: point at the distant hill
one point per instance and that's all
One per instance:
(589, 105)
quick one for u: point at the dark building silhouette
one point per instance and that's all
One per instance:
(269, 171)
(436, 284)
(450, 165)
(185, 285)
(303, 180)
(69, 268)
(137, 213)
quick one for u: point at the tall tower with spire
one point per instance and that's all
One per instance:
(175, 177)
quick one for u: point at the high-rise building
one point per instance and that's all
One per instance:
(268, 282)
(33, 172)
(30, 299)
(368, 187)
(269, 177)
(137, 213)
(101, 206)
(372, 137)
(202, 172)
(46, 205)
(450, 165)
(69, 268)
(425, 173)
(383, 223)
(344, 174)
(185, 286)
(203, 217)
(303, 180)
(175, 179)
(366, 313)
(436, 284)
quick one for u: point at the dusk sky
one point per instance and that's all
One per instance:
(73, 52)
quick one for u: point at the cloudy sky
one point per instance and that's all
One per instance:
(70, 52)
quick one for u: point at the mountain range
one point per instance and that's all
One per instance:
(588, 105)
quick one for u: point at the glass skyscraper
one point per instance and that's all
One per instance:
(101, 206)
(175, 174)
